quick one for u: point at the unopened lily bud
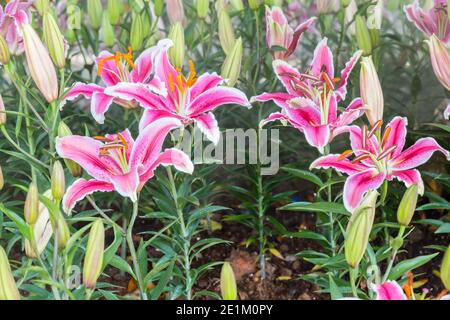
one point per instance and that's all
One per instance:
(2, 112)
(237, 5)
(371, 91)
(363, 35)
(115, 11)
(345, 3)
(228, 286)
(31, 209)
(58, 181)
(176, 53)
(5, 56)
(202, 8)
(41, 6)
(440, 60)
(54, 40)
(137, 32)
(158, 7)
(8, 287)
(40, 64)
(93, 260)
(175, 11)
(231, 68)
(62, 232)
(254, 4)
(358, 229)
(74, 169)
(226, 32)
(109, 37)
(445, 269)
(350, 10)
(408, 205)
(95, 13)
(2, 180)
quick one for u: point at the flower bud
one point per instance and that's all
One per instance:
(237, 5)
(202, 8)
(74, 168)
(109, 37)
(2, 112)
(31, 209)
(371, 92)
(93, 260)
(115, 11)
(2, 180)
(254, 4)
(176, 53)
(363, 35)
(358, 229)
(40, 64)
(408, 205)
(54, 40)
(226, 32)
(175, 11)
(445, 269)
(62, 232)
(95, 13)
(5, 57)
(440, 60)
(41, 6)
(158, 7)
(231, 68)
(137, 32)
(350, 10)
(8, 287)
(228, 286)
(58, 181)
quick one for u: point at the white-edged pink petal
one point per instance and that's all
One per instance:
(390, 290)
(280, 98)
(359, 184)
(100, 104)
(409, 177)
(287, 74)
(341, 165)
(207, 124)
(150, 115)
(323, 60)
(341, 91)
(397, 135)
(205, 82)
(82, 188)
(81, 89)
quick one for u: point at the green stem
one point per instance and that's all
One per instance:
(353, 275)
(401, 231)
(132, 249)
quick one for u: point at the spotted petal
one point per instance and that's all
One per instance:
(359, 184)
(82, 188)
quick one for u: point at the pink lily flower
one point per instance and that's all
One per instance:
(14, 14)
(114, 69)
(190, 99)
(390, 290)
(280, 34)
(118, 163)
(310, 103)
(377, 161)
(435, 21)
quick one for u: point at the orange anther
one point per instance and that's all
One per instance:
(408, 287)
(345, 154)
(386, 136)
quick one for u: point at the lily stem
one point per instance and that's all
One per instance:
(401, 231)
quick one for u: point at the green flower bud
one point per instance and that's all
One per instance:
(202, 8)
(237, 5)
(363, 35)
(109, 37)
(231, 68)
(58, 181)
(158, 7)
(345, 3)
(62, 232)
(115, 11)
(93, 260)
(2, 112)
(254, 4)
(226, 32)
(41, 6)
(95, 13)
(8, 287)
(445, 269)
(54, 40)
(74, 169)
(374, 37)
(176, 53)
(228, 286)
(31, 209)
(137, 32)
(358, 229)
(2, 180)
(408, 205)
(5, 57)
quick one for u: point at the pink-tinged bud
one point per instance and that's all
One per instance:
(8, 287)
(2, 111)
(371, 91)
(228, 287)
(93, 260)
(40, 64)
(31, 209)
(5, 56)
(62, 232)
(440, 59)
(175, 11)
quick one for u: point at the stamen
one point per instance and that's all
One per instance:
(123, 141)
(386, 136)
(128, 57)
(104, 139)
(408, 287)
(364, 137)
(171, 83)
(345, 154)
(386, 152)
(375, 128)
(361, 158)
(329, 83)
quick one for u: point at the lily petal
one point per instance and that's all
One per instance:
(323, 60)
(298, 32)
(340, 165)
(127, 184)
(397, 135)
(207, 124)
(149, 116)
(287, 75)
(317, 136)
(389, 290)
(341, 91)
(204, 83)
(82, 188)
(83, 89)
(279, 98)
(109, 71)
(274, 117)
(100, 104)
(357, 142)
(409, 177)
(359, 184)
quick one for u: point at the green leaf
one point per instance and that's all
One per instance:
(316, 207)
(407, 265)
(334, 289)
(18, 221)
(445, 228)
(305, 175)
(434, 206)
(122, 265)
